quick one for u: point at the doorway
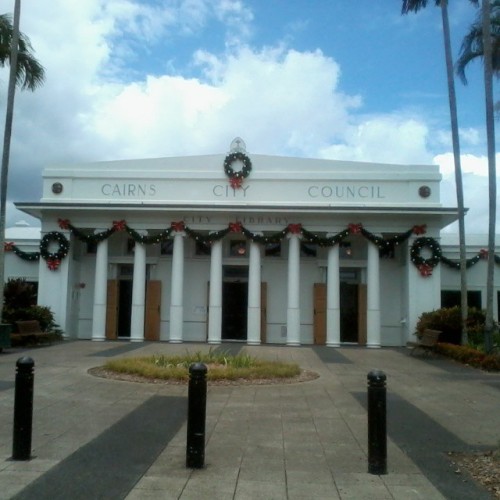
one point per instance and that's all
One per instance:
(234, 310)
(349, 312)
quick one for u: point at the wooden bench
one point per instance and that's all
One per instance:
(427, 342)
(29, 331)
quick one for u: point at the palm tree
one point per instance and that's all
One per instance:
(27, 72)
(30, 73)
(415, 6)
(483, 41)
(472, 45)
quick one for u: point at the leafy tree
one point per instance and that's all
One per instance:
(415, 6)
(14, 48)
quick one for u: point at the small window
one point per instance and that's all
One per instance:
(167, 247)
(272, 249)
(308, 249)
(130, 245)
(452, 298)
(387, 251)
(202, 248)
(237, 248)
(345, 250)
(91, 247)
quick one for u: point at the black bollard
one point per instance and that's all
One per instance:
(23, 409)
(377, 428)
(197, 406)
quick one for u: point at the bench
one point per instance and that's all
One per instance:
(29, 331)
(427, 342)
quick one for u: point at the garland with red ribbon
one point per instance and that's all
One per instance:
(425, 266)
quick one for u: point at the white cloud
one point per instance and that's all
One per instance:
(280, 100)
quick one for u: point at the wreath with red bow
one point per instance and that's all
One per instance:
(236, 177)
(54, 258)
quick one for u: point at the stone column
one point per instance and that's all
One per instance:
(293, 303)
(253, 321)
(100, 291)
(333, 298)
(177, 291)
(138, 294)
(373, 297)
(215, 299)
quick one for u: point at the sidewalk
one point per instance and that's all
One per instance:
(99, 438)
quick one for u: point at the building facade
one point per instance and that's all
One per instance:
(241, 247)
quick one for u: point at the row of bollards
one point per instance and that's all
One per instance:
(197, 404)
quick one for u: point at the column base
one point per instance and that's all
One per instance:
(293, 344)
(136, 340)
(373, 346)
(214, 342)
(332, 344)
(253, 342)
(98, 339)
(175, 341)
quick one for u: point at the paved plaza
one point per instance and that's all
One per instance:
(100, 438)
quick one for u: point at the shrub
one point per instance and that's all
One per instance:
(448, 320)
(19, 294)
(470, 356)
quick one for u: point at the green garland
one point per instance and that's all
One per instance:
(425, 266)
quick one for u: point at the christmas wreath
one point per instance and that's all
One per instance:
(425, 266)
(236, 176)
(54, 258)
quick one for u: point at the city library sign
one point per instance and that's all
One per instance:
(346, 192)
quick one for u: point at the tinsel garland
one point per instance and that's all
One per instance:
(424, 265)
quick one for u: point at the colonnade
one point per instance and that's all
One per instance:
(254, 291)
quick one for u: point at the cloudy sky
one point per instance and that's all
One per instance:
(324, 78)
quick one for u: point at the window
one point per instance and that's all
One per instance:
(202, 248)
(130, 246)
(451, 298)
(91, 247)
(272, 249)
(237, 248)
(345, 250)
(308, 249)
(167, 247)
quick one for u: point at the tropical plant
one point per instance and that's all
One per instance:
(472, 44)
(14, 48)
(30, 73)
(19, 294)
(415, 6)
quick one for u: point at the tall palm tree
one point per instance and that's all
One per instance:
(30, 73)
(415, 6)
(492, 183)
(472, 45)
(483, 41)
(27, 72)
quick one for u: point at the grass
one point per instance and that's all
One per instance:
(221, 366)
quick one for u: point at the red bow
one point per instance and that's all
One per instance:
(235, 227)
(355, 228)
(119, 225)
(483, 253)
(422, 229)
(295, 228)
(236, 182)
(53, 264)
(8, 246)
(178, 226)
(63, 223)
(425, 270)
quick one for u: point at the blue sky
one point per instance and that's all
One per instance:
(314, 78)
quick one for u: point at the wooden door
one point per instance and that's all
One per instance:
(263, 313)
(319, 320)
(362, 314)
(112, 299)
(153, 311)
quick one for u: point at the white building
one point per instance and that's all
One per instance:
(245, 247)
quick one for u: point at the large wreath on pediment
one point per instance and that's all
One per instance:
(236, 177)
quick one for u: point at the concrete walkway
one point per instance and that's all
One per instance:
(97, 438)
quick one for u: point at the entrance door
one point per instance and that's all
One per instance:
(112, 309)
(234, 310)
(124, 308)
(153, 314)
(349, 312)
(319, 321)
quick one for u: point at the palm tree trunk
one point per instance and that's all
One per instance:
(458, 168)
(492, 186)
(6, 143)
